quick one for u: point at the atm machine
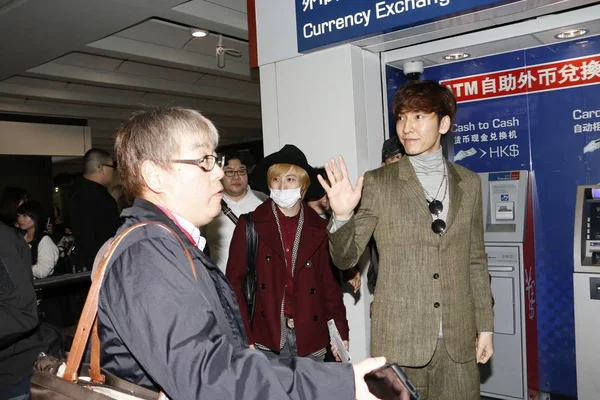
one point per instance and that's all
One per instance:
(504, 196)
(586, 291)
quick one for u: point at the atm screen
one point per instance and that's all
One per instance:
(594, 220)
(596, 194)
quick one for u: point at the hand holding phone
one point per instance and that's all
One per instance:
(391, 383)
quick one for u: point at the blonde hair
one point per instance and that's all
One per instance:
(276, 170)
(156, 135)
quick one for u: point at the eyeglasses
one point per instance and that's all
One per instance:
(114, 166)
(206, 163)
(241, 172)
(436, 207)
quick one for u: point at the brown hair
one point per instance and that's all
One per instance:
(281, 169)
(425, 96)
(157, 135)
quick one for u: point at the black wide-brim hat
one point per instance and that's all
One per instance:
(289, 154)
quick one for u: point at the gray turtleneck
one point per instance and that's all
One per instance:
(430, 170)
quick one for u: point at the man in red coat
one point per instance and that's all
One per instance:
(297, 292)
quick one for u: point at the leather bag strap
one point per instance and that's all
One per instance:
(95, 371)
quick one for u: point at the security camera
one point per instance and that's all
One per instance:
(223, 51)
(413, 70)
(220, 57)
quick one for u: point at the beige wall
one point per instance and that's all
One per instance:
(21, 138)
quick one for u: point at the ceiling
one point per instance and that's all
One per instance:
(103, 59)
(535, 39)
(508, 38)
(507, 12)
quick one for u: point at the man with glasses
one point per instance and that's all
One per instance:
(240, 199)
(171, 322)
(432, 310)
(94, 214)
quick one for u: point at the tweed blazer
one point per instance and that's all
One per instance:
(422, 276)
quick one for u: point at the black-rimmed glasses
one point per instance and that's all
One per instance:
(230, 173)
(438, 226)
(114, 165)
(206, 163)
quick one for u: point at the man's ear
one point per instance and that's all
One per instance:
(153, 176)
(445, 124)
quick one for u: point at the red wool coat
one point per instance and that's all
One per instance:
(317, 296)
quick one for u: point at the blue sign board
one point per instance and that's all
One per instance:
(484, 138)
(323, 22)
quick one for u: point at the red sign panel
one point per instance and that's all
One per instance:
(538, 78)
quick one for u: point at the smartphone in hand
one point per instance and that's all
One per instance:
(388, 381)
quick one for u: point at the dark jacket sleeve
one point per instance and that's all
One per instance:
(18, 305)
(334, 301)
(169, 326)
(236, 269)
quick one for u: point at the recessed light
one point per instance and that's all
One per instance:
(198, 32)
(571, 33)
(456, 56)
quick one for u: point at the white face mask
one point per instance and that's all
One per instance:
(286, 198)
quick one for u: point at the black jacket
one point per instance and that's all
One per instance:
(159, 327)
(18, 309)
(94, 219)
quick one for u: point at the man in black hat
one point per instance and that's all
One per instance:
(392, 151)
(297, 292)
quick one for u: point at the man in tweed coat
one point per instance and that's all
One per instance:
(432, 311)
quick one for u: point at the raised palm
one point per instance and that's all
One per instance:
(343, 198)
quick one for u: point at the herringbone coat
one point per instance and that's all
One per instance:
(422, 276)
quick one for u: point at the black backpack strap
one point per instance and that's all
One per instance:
(227, 211)
(251, 277)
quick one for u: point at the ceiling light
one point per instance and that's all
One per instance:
(198, 32)
(456, 56)
(571, 33)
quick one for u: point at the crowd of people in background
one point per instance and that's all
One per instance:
(228, 292)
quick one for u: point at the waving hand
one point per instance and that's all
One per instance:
(343, 198)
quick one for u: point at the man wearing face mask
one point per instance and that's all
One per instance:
(296, 290)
